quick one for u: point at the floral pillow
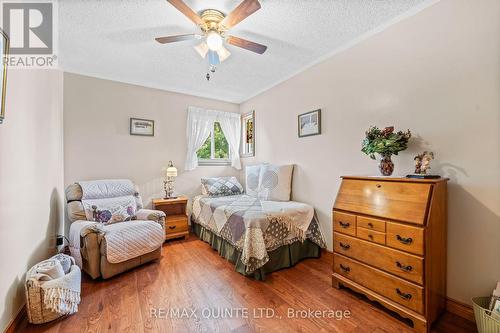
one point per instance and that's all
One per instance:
(110, 210)
(108, 216)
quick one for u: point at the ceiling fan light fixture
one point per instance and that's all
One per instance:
(214, 40)
(213, 58)
(202, 49)
(223, 53)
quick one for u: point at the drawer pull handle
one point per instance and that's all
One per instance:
(404, 267)
(172, 227)
(406, 241)
(403, 295)
(345, 268)
(379, 186)
(345, 246)
(370, 236)
(370, 224)
(344, 225)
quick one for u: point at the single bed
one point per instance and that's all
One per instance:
(259, 237)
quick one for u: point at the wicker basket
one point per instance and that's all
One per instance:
(38, 312)
(485, 323)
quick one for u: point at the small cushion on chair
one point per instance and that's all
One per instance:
(110, 210)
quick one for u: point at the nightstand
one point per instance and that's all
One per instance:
(177, 220)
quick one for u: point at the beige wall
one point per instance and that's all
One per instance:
(31, 180)
(436, 73)
(97, 143)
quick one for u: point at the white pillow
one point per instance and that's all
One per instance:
(252, 177)
(275, 182)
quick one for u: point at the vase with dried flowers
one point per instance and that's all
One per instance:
(385, 142)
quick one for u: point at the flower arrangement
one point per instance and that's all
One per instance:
(385, 142)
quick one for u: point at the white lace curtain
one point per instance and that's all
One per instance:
(199, 126)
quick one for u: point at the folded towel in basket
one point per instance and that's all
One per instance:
(49, 269)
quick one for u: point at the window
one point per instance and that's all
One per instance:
(248, 135)
(216, 149)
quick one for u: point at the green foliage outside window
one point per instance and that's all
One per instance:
(204, 151)
(221, 147)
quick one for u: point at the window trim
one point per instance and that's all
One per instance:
(214, 161)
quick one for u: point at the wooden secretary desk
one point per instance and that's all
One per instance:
(389, 239)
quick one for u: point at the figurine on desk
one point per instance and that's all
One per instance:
(422, 164)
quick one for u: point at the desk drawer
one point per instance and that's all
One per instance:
(407, 266)
(405, 237)
(370, 235)
(387, 285)
(371, 224)
(344, 223)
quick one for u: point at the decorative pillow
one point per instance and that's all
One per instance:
(252, 174)
(275, 182)
(221, 186)
(110, 210)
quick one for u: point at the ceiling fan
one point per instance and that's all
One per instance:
(214, 26)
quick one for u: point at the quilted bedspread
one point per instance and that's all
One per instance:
(255, 227)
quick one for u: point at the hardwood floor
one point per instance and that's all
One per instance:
(193, 277)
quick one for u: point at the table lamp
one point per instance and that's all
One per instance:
(168, 182)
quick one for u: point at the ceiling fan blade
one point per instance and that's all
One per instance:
(244, 9)
(176, 38)
(246, 44)
(184, 9)
(223, 53)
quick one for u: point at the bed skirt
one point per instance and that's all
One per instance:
(283, 257)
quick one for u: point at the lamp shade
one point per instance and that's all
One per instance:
(171, 170)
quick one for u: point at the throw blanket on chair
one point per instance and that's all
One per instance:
(61, 288)
(255, 227)
(124, 240)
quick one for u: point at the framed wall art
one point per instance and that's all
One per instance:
(309, 123)
(143, 127)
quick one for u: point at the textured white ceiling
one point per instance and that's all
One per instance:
(113, 39)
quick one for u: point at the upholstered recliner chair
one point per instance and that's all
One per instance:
(108, 241)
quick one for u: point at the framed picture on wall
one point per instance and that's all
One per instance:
(248, 134)
(309, 123)
(144, 127)
(4, 46)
